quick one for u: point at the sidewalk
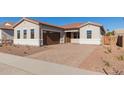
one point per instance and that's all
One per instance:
(38, 67)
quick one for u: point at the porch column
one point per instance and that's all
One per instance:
(72, 35)
(41, 37)
(62, 37)
(0, 36)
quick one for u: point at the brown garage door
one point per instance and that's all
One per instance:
(50, 38)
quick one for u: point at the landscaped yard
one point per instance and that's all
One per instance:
(105, 59)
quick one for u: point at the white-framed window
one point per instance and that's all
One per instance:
(32, 33)
(76, 35)
(18, 34)
(89, 34)
(24, 34)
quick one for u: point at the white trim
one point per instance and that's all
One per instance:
(71, 31)
(75, 40)
(86, 41)
(90, 41)
(31, 42)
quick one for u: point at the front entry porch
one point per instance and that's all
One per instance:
(72, 37)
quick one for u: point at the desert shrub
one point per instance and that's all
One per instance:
(105, 71)
(106, 52)
(106, 63)
(120, 58)
(110, 33)
(109, 50)
(25, 52)
(117, 72)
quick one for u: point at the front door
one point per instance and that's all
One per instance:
(68, 37)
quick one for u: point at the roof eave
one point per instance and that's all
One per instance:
(71, 28)
(51, 25)
(103, 29)
(6, 28)
(89, 23)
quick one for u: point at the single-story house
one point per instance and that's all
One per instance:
(6, 31)
(35, 33)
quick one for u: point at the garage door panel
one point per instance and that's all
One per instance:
(51, 38)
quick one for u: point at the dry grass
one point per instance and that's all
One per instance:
(120, 58)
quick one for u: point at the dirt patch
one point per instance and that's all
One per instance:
(22, 50)
(105, 59)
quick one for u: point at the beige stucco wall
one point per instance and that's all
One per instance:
(28, 26)
(95, 32)
(25, 25)
(96, 35)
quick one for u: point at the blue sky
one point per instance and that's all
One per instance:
(110, 23)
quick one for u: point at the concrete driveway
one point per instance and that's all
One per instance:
(12, 64)
(67, 54)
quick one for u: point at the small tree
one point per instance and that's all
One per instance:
(109, 33)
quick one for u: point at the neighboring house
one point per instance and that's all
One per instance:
(32, 32)
(6, 31)
(119, 32)
(119, 35)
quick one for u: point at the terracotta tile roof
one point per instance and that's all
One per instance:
(6, 26)
(72, 26)
(64, 27)
(78, 25)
